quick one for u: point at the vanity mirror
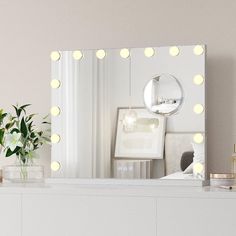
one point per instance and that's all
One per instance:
(129, 113)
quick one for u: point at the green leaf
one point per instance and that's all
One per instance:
(1, 136)
(15, 130)
(24, 106)
(2, 116)
(36, 140)
(30, 125)
(23, 128)
(17, 110)
(28, 118)
(45, 117)
(10, 125)
(10, 153)
(45, 122)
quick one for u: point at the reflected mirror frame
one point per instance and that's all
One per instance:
(175, 111)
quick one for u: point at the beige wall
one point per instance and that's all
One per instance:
(30, 29)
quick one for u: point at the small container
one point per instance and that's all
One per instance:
(23, 174)
(223, 179)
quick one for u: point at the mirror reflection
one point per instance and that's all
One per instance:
(129, 113)
(163, 95)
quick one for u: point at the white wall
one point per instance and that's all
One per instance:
(31, 29)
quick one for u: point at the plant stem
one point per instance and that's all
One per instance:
(23, 172)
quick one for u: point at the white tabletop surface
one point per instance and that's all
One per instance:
(109, 189)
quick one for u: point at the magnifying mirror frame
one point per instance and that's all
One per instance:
(175, 111)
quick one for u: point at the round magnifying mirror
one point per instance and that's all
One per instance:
(163, 95)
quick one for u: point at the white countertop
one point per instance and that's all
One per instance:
(141, 190)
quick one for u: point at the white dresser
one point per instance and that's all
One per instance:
(115, 210)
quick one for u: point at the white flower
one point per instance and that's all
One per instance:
(13, 140)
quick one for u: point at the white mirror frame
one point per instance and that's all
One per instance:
(63, 151)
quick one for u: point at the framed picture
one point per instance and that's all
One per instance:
(139, 134)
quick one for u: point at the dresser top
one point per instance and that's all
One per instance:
(109, 189)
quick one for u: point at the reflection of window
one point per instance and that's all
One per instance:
(142, 125)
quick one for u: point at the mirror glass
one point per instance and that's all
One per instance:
(133, 113)
(163, 95)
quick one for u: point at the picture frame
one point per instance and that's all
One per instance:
(145, 140)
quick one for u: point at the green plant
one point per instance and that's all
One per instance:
(20, 136)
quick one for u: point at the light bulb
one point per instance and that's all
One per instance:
(55, 56)
(198, 138)
(154, 123)
(55, 138)
(55, 166)
(153, 127)
(149, 52)
(124, 53)
(198, 168)
(55, 83)
(77, 55)
(198, 50)
(100, 54)
(55, 111)
(198, 109)
(174, 51)
(130, 119)
(198, 79)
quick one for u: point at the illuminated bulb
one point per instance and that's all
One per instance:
(198, 138)
(55, 111)
(198, 50)
(153, 127)
(124, 53)
(130, 119)
(174, 51)
(55, 138)
(149, 52)
(198, 108)
(198, 79)
(77, 55)
(198, 168)
(100, 54)
(154, 124)
(55, 83)
(55, 56)
(55, 166)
